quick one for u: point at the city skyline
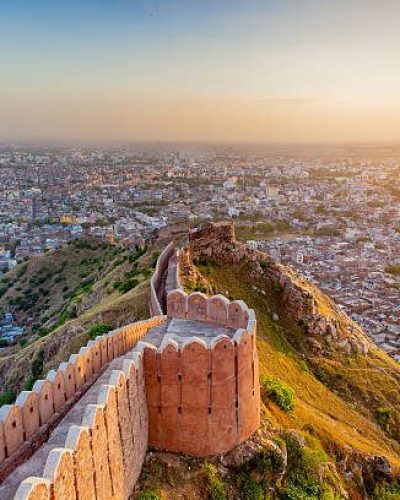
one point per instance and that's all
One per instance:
(190, 71)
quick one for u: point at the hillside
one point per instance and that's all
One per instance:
(61, 296)
(330, 413)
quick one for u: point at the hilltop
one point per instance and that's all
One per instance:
(62, 296)
(331, 399)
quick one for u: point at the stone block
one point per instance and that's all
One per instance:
(11, 419)
(34, 488)
(197, 306)
(44, 390)
(177, 304)
(107, 398)
(78, 440)
(28, 401)
(218, 309)
(68, 369)
(93, 418)
(60, 471)
(57, 379)
(95, 351)
(238, 314)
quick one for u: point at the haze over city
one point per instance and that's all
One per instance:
(266, 71)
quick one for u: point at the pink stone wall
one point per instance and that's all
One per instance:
(57, 380)
(95, 421)
(197, 307)
(45, 404)
(44, 390)
(177, 304)
(161, 266)
(34, 489)
(60, 470)
(196, 399)
(216, 309)
(78, 440)
(11, 419)
(202, 400)
(28, 401)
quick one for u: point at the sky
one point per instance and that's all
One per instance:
(200, 70)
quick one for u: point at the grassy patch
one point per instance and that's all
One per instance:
(100, 329)
(215, 485)
(279, 392)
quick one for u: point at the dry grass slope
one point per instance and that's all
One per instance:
(338, 421)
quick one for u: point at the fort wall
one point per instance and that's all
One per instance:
(210, 393)
(216, 309)
(156, 308)
(102, 457)
(25, 425)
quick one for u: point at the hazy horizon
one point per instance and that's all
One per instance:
(283, 72)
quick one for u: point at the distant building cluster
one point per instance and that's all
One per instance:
(332, 214)
(9, 329)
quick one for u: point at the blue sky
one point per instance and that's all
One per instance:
(67, 65)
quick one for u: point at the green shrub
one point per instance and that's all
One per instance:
(383, 417)
(125, 286)
(386, 491)
(37, 365)
(216, 487)
(304, 488)
(279, 392)
(251, 489)
(393, 269)
(43, 331)
(265, 461)
(146, 272)
(305, 458)
(29, 383)
(22, 270)
(100, 329)
(149, 495)
(7, 398)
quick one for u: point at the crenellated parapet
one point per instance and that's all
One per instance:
(202, 397)
(102, 456)
(26, 424)
(216, 309)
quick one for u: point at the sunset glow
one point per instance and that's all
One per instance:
(184, 70)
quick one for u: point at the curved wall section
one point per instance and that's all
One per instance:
(103, 455)
(156, 281)
(27, 423)
(202, 400)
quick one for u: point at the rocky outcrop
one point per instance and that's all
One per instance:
(326, 327)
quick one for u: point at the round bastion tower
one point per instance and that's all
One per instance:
(201, 375)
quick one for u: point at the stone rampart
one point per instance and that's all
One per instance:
(25, 425)
(156, 283)
(216, 309)
(203, 399)
(102, 457)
